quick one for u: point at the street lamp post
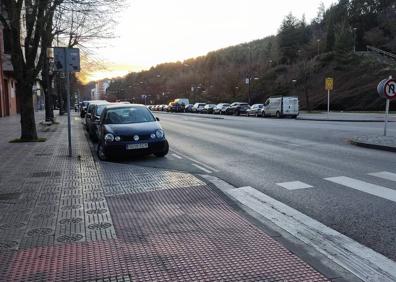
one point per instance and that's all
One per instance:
(249, 79)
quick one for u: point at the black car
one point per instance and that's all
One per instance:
(90, 111)
(208, 109)
(237, 108)
(84, 106)
(255, 110)
(130, 130)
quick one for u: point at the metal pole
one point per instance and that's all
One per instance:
(386, 116)
(328, 103)
(68, 105)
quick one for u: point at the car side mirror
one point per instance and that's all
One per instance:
(157, 118)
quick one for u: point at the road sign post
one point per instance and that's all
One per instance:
(67, 60)
(387, 89)
(329, 85)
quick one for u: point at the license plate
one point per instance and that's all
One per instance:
(137, 146)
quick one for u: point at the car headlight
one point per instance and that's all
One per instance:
(117, 138)
(152, 135)
(109, 137)
(159, 133)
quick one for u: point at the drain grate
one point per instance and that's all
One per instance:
(71, 220)
(95, 199)
(9, 196)
(46, 174)
(96, 211)
(7, 245)
(69, 238)
(17, 225)
(99, 226)
(40, 232)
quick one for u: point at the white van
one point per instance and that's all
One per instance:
(281, 106)
(182, 101)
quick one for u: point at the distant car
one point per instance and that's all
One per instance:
(208, 109)
(281, 106)
(182, 101)
(84, 106)
(198, 107)
(255, 110)
(220, 108)
(174, 107)
(93, 121)
(188, 108)
(237, 108)
(130, 130)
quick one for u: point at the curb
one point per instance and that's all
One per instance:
(343, 120)
(373, 146)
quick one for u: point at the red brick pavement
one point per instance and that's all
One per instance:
(187, 234)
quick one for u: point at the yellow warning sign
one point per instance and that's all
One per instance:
(329, 83)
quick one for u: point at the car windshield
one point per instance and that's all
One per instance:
(99, 109)
(128, 115)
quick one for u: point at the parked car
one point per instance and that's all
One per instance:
(255, 110)
(188, 108)
(281, 106)
(198, 107)
(182, 101)
(92, 123)
(175, 107)
(85, 105)
(208, 109)
(90, 111)
(130, 130)
(220, 108)
(237, 108)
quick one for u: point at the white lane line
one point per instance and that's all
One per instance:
(177, 156)
(294, 185)
(385, 175)
(366, 187)
(200, 163)
(202, 168)
(358, 259)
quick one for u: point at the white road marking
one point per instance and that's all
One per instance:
(363, 262)
(201, 168)
(294, 185)
(385, 175)
(200, 163)
(177, 156)
(366, 187)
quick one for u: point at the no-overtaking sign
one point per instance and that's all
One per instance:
(390, 89)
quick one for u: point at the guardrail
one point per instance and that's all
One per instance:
(381, 52)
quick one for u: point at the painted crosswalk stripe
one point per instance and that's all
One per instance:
(177, 156)
(366, 187)
(385, 175)
(202, 168)
(294, 185)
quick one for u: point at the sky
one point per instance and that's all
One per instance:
(150, 32)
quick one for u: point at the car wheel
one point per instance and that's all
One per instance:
(164, 152)
(278, 115)
(101, 153)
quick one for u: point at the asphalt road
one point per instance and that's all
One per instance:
(264, 153)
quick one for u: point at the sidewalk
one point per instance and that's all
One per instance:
(346, 117)
(80, 219)
(385, 143)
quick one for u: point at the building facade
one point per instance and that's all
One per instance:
(8, 99)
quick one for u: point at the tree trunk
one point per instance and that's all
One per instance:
(28, 122)
(49, 114)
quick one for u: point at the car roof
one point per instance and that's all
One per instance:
(115, 106)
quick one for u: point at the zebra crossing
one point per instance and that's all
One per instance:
(387, 192)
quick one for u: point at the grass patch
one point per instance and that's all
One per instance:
(19, 140)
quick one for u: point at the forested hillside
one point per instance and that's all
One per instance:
(294, 62)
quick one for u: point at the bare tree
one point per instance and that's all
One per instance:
(25, 20)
